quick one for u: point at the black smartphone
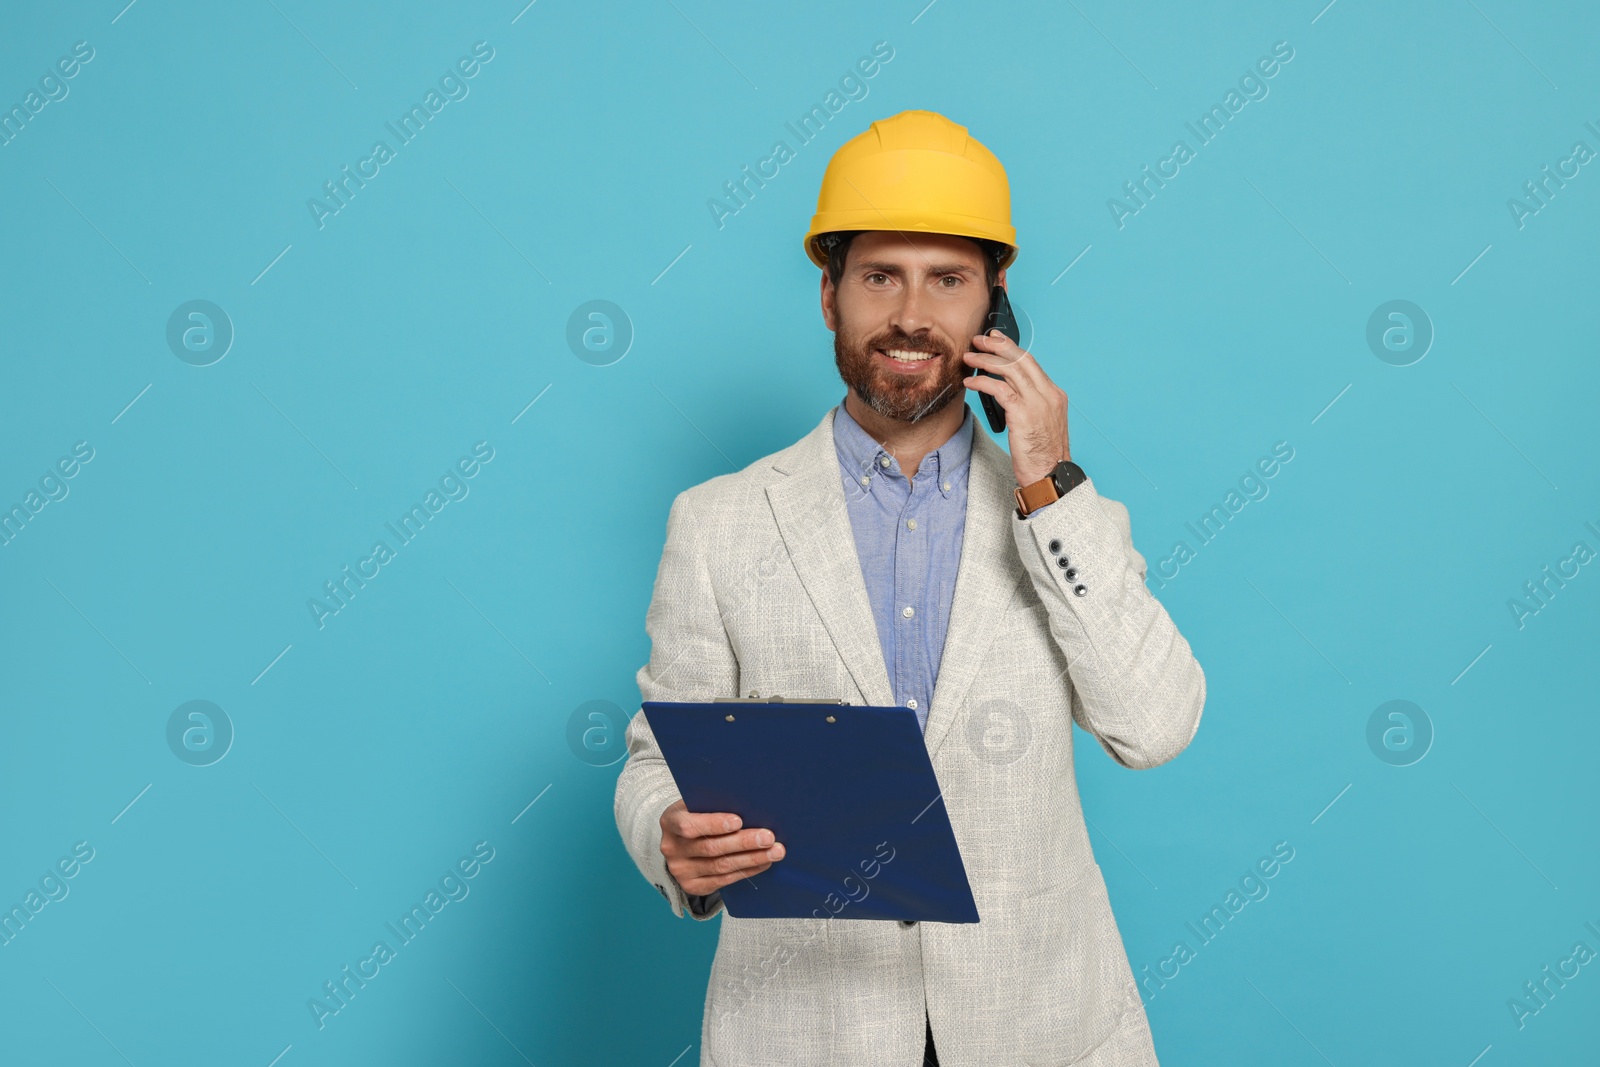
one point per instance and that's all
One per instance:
(1001, 318)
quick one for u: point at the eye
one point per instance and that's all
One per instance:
(876, 274)
(950, 278)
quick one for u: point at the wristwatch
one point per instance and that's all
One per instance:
(1050, 488)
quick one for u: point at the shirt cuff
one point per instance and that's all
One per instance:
(702, 906)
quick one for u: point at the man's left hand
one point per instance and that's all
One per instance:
(1036, 408)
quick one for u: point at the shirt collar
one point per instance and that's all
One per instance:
(863, 457)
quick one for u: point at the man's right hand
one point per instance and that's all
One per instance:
(707, 850)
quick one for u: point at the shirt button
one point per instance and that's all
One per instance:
(866, 481)
(883, 461)
(907, 612)
(911, 524)
(947, 487)
(912, 703)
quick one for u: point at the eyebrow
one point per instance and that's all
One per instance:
(872, 265)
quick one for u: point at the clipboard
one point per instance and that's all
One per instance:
(848, 789)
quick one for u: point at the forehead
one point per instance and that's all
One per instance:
(914, 249)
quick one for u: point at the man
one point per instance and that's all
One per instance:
(896, 555)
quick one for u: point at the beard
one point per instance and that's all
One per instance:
(903, 397)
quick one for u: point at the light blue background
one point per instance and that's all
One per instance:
(1227, 315)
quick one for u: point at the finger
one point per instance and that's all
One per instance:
(703, 886)
(997, 340)
(1034, 386)
(725, 844)
(732, 863)
(1017, 361)
(999, 344)
(1008, 354)
(703, 823)
(741, 861)
(728, 879)
(1011, 371)
(1015, 373)
(1000, 389)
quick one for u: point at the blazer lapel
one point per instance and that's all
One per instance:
(987, 578)
(812, 516)
(813, 519)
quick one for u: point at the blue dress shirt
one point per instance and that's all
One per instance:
(908, 534)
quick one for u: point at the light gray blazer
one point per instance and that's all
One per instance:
(760, 591)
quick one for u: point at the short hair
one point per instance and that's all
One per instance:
(838, 243)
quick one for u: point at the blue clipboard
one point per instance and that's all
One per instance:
(848, 789)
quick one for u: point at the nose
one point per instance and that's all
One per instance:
(912, 316)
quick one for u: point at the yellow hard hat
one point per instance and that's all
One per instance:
(917, 171)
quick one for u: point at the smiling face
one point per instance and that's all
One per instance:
(904, 310)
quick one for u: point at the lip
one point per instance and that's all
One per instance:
(905, 368)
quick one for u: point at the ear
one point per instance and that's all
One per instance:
(1000, 279)
(829, 317)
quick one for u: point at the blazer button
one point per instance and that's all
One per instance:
(1070, 574)
(908, 922)
(1055, 545)
(1079, 590)
(1063, 562)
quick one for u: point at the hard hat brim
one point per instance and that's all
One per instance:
(949, 225)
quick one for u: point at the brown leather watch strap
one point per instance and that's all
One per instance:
(1063, 478)
(1035, 495)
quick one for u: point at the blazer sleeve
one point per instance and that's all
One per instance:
(690, 659)
(1133, 681)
